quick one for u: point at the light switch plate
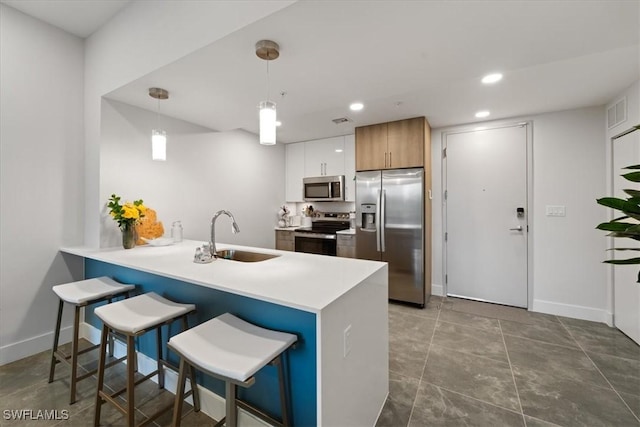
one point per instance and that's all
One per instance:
(556, 210)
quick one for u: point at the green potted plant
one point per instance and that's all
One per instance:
(627, 225)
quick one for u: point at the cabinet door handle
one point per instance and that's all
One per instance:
(389, 158)
(385, 159)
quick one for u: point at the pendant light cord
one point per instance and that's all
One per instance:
(267, 61)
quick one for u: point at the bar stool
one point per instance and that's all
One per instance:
(132, 318)
(230, 349)
(81, 294)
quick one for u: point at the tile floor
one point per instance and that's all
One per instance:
(454, 363)
(460, 362)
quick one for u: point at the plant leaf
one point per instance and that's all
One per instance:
(633, 166)
(629, 261)
(623, 234)
(632, 176)
(623, 249)
(619, 204)
(632, 215)
(614, 226)
(620, 218)
(632, 193)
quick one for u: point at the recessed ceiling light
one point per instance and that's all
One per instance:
(338, 150)
(491, 78)
(356, 106)
(278, 123)
(481, 114)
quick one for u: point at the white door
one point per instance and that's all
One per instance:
(626, 152)
(486, 215)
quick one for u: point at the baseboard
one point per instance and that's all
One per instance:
(437, 290)
(574, 311)
(19, 350)
(210, 403)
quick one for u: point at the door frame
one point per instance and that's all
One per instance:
(528, 124)
(611, 215)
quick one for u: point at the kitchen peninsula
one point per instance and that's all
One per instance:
(336, 306)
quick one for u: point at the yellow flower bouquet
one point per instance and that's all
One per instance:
(126, 216)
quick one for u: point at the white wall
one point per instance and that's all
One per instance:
(141, 38)
(205, 171)
(41, 176)
(568, 169)
(52, 84)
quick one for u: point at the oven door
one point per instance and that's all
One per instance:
(316, 243)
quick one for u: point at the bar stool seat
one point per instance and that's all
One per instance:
(80, 294)
(134, 317)
(233, 350)
(84, 291)
(145, 311)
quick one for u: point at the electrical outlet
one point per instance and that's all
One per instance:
(347, 340)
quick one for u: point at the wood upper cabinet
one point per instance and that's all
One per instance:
(371, 146)
(392, 145)
(405, 143)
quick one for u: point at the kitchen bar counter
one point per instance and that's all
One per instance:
(293, 279)
(337, 307)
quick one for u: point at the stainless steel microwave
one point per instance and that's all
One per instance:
(323, 189)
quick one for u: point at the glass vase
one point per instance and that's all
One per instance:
(128, 236)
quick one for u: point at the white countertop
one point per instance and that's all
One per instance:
(291, 228)
(298, 280)
(350, 231)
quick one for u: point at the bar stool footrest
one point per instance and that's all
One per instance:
(137, 382)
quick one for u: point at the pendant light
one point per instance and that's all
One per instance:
(158, 135)
(267, 50)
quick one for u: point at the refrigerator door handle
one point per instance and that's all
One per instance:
(378, 230)
(382, 221)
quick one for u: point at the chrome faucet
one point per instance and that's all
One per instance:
(234, 228)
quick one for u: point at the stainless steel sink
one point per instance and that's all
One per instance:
(244, 256)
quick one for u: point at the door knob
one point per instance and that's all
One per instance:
(518, 228)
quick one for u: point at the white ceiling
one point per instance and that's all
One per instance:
(78, 17)
(404, 59)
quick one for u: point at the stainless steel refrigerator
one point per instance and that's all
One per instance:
(389, 227)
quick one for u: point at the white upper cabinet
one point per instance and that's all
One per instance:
(324, 157)
(320, 157)
(350, 168)
(294, 164)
